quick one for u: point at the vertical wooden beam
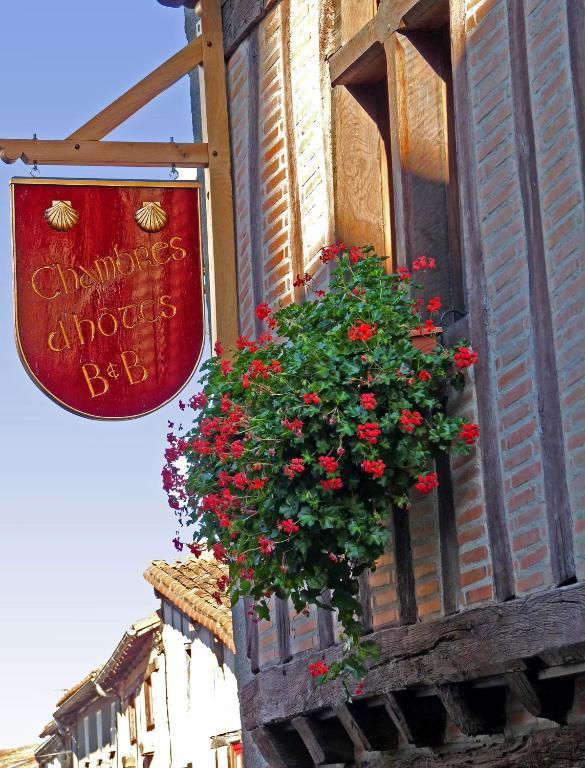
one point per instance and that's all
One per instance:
(295, 229)
(404, 567)
(220, 209)
(478, 317)
(576, 28)
(252, 644)
(366, 601)
(254, 172)
(283, 629)
(325, 622)
(549, 403)
(526, 691)
(449, 547)
(399, 178)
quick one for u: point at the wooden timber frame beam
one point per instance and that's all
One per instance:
(363, 56)
(84, 147)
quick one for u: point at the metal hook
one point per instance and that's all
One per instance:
(35, 169)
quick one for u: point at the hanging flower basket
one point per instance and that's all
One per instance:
(303, 439)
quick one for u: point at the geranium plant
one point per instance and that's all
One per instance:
(304, 439)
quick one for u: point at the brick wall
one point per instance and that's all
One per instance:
(284, 213)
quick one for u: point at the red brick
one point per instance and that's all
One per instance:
(526, 539)
(534, 557)
(530, 582)
(473, 576)
(470, 534)
(477, 555)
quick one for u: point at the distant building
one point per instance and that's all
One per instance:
(167, 696)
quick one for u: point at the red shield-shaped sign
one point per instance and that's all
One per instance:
(108, 291)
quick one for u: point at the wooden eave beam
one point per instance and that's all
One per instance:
(142, 93)
(362, 59)
(147, 154)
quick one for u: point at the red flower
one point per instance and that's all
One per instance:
(195, 549)
(333, 557)
(266, 545)
(361, 332)
(427, 482)
(410, 419)
(332, 484)
(318, 669)
(237, 449)
(469, 433)
(246, 381)
(404, 274)
(355, 255)
(199, 400)
(240, 481)
(262, 311)
(226, 367)
(275, 367)
(295, 426)
(369, 431)
(368, 401)
(465, 357)
(360, 688)
(256, 484)
(329, 464)
(219, 552)
(423, 263)
(296, 467)
(320, 293)
(289, 526)
(375, 467)
(424, 375)
(434, 304)
(264, 337)
(302, 280)
(329, 252)
(218, 348)
(312, 398)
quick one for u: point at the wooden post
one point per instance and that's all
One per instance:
(218, 181)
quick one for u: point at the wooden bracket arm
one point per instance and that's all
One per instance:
(123, 153)
(137, 97)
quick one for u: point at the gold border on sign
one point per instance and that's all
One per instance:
(101, 183)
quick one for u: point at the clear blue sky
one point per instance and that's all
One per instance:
(82, 510)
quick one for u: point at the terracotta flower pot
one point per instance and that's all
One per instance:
(427, 340)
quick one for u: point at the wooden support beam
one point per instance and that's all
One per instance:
(472, 644)
(303, 727)
(460, 710)
(267, 747)
(218, 182)
(147, 89)
(526, 691)
(353, 730)
(147, 154)
(398, 717)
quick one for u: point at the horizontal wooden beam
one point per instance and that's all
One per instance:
(476, 643)
(137, 97)
(147, 154)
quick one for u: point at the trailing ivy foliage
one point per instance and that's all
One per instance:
(304, 440)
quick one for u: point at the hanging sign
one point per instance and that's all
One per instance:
(108, 291)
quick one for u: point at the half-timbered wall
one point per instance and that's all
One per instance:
(454, 128)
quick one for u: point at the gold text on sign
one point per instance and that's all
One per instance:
(53, 280)
(98, 384)
(73, 329)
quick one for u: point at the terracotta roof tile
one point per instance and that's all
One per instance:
(77, 686)
(19, 757)
(189, 584)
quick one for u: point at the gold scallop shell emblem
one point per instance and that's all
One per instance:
(62, 216)
(151, 217)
